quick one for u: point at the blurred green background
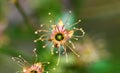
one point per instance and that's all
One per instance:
(100, 20)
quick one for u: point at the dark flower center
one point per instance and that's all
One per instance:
(33, 71)
(59, 37)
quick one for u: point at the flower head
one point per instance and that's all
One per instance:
(36, 67)
(60, 36)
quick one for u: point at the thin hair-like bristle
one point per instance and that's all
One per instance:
(58, 61)
(41, 38)
(75, 23)
(68, 18)
(52, 18)
(52, 51)
(35, 54)
(22, 58)
(38, 31)
(72, 44)
(20, 61)
(44, 46)
(18, 72)
(81, 30)
(72, 50)
(75, 38)
(37, 40)
(65, 51)
(45, 62)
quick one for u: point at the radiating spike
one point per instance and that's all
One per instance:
(72, 44)
(66, 57)
(82, 31)
(13, 58)
(75, 38)
(65, 53)
(52, 17)
(75, 23)
(44, 46)
(52, 51)
(36, 57)
(73, 50)
(41, 38)
(68, 18)
(18, 72)
(37, 40)
(18, 61)
(79, 29)
(45, 62)
(49, 13)
(58, 61)
(34, 51)
(38, 31)
(22, 58)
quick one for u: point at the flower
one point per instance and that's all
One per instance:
(60, 36)
(36, 67)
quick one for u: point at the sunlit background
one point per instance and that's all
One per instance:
(99, 49)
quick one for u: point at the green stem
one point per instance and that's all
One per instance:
(25, 17)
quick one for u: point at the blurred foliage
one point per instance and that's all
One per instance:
(100, 20)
